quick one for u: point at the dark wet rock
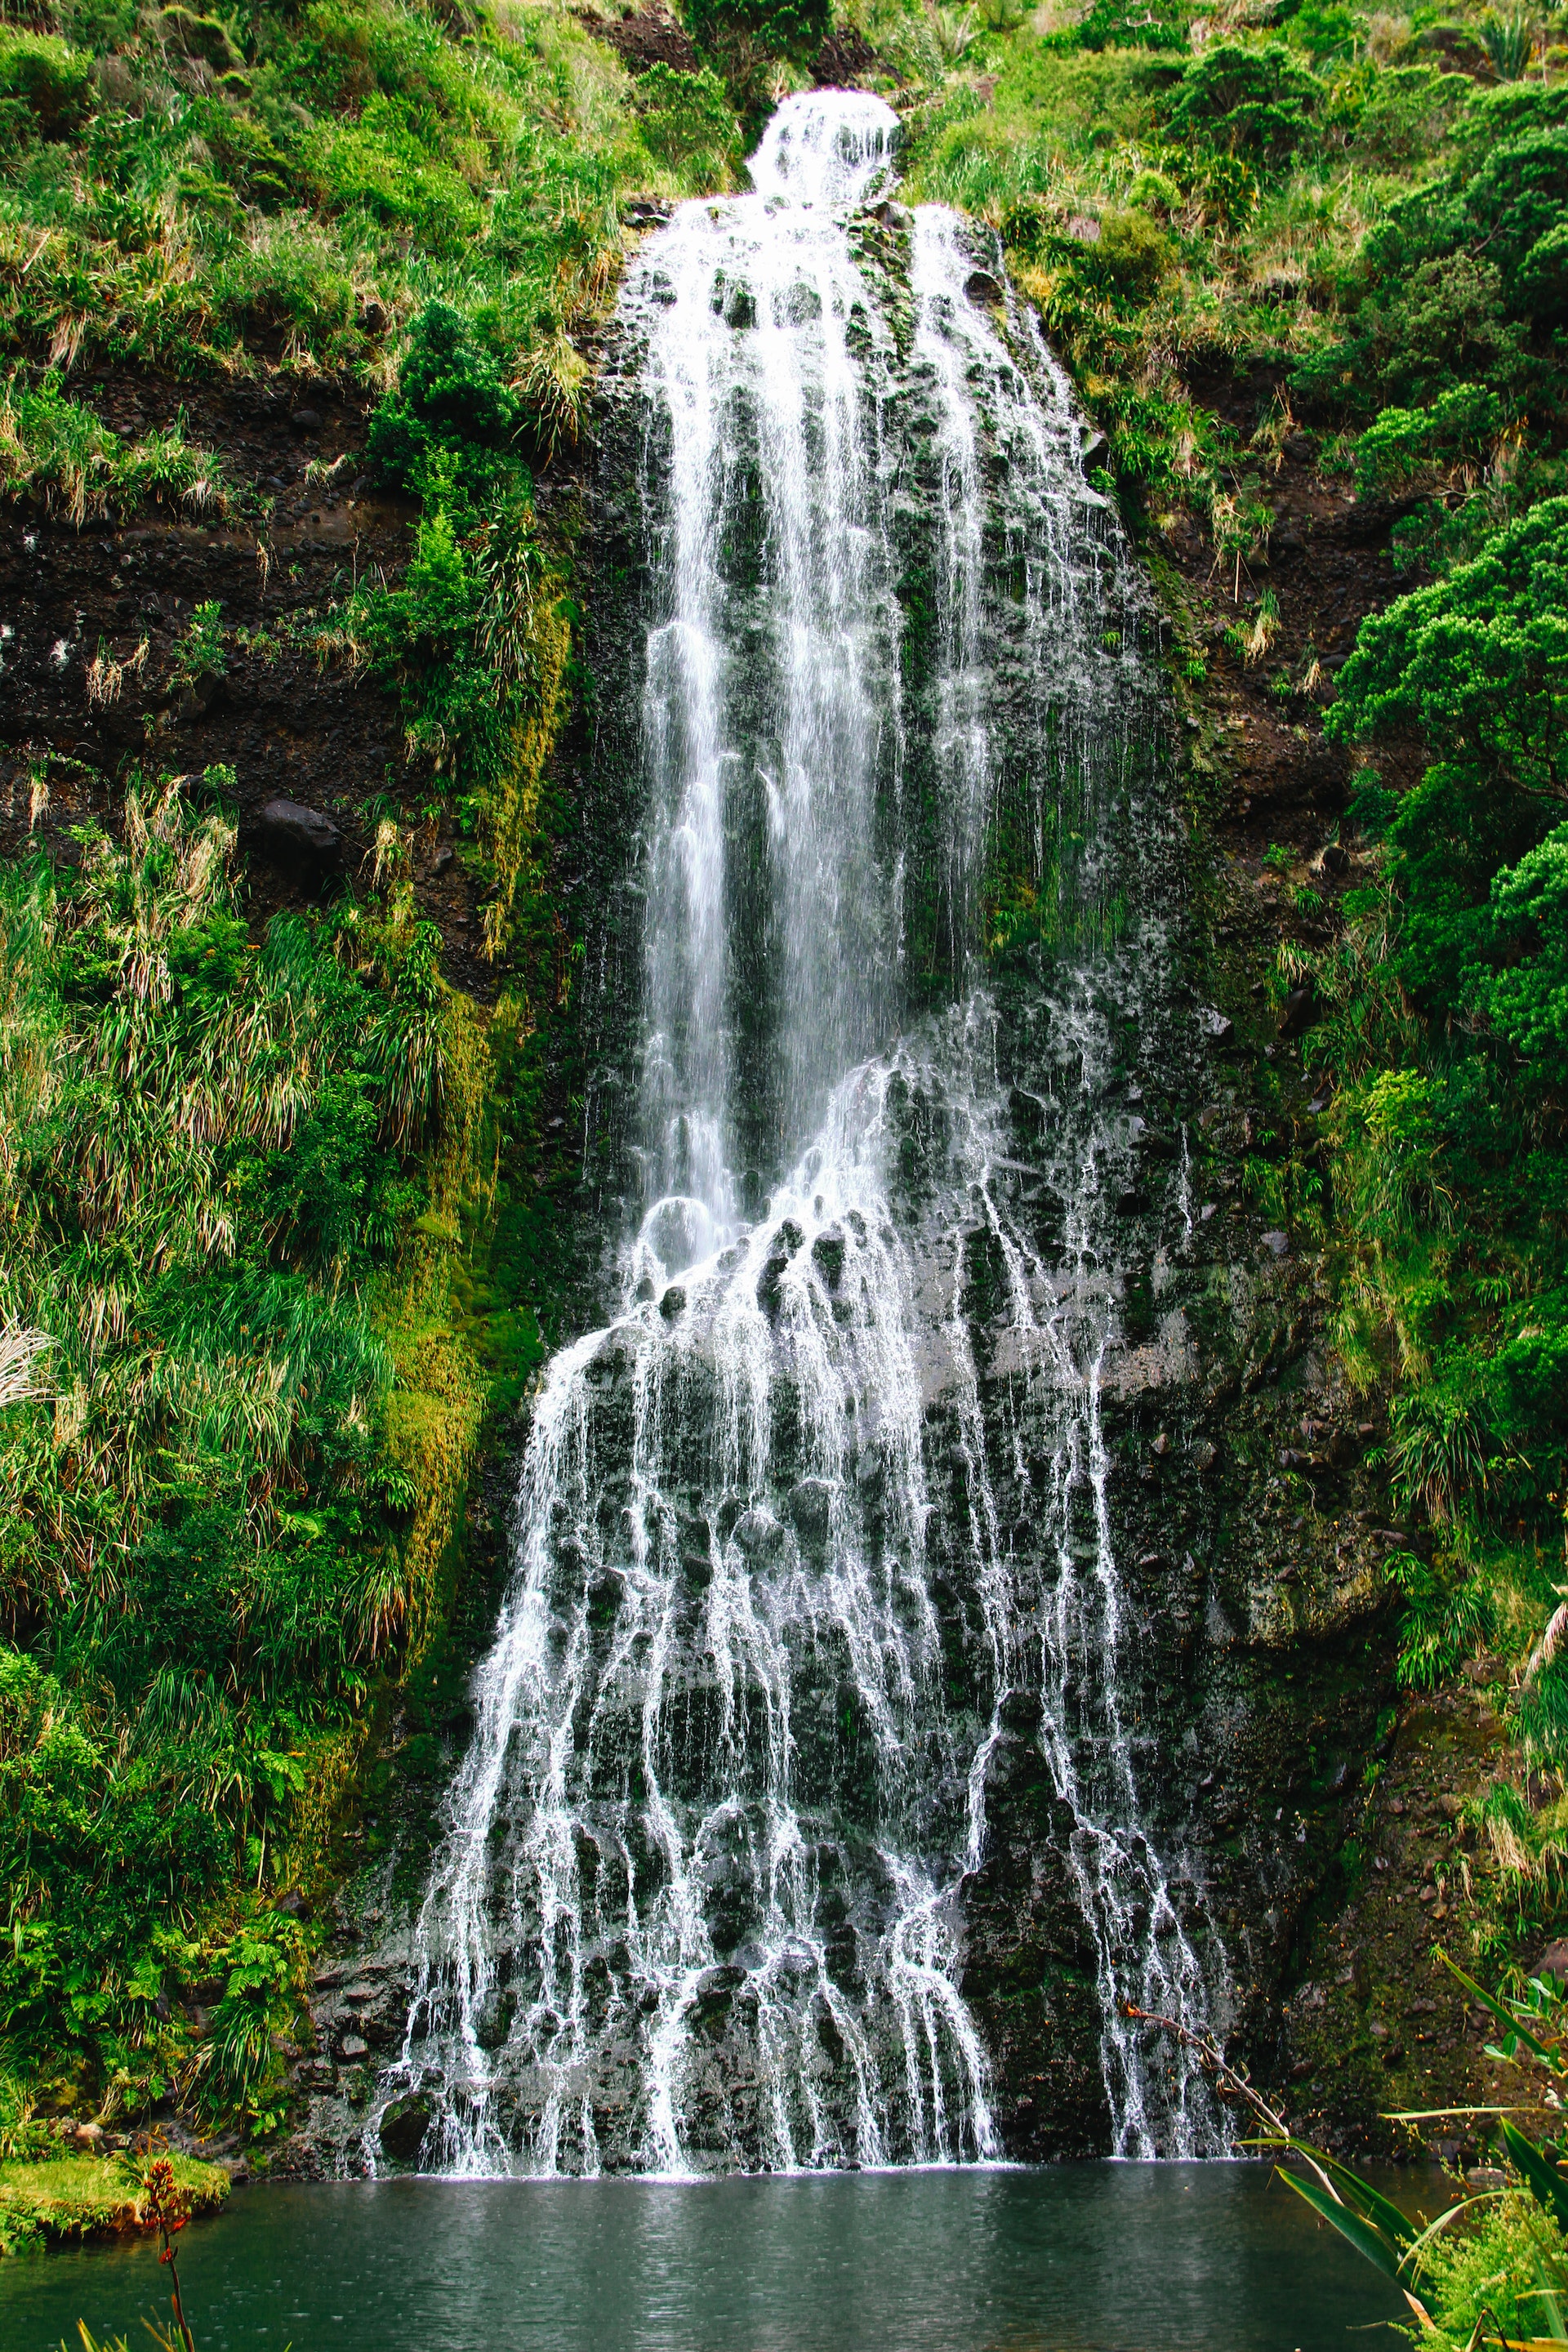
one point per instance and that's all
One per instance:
(292, 830)
(199, 698)
(758, 1534)
(402, 2126)
(811, 1509)
(827, 1254)
(1298, 1013)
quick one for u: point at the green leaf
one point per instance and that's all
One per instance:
(1365, 2236)
(1370, 2202)
(1546, 2183)
(1505, 2017)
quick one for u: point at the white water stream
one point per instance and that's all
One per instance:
(699, 1902)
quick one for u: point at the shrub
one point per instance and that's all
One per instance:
(1520, 194)
(792, 28)
(1135, 25)
(1478, 662)
(1257, 103)
(686, 117)
(44, 79)
(1129, 258)
(1461, 427)
(1527, 1000)
(450, 394)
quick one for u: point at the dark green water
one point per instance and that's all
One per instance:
(1083, 2258)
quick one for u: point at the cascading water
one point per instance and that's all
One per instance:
(827, 1503)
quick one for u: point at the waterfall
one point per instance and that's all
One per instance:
(827, 1501)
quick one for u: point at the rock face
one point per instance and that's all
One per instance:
(283, 726)
(403, 2127)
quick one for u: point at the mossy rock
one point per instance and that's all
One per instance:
(402, 2129)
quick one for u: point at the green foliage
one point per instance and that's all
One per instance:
(1527, 999)
(203, 1169)
(1322, 28)
(1507, 41)
(1447, 1615)
(687, 119)
(1452, 281)
(470, 639)
(1408, 446)
(1135, 25)
(1128, 258)
(44, 85)
(1256, 102)
(64, 2200)
(1478, 662)
(265, 1975)
(450, 397)
(55, 449)
(1444, 1007)
(301, 182)
(786, 29)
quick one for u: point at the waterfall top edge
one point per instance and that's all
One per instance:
(831, 150)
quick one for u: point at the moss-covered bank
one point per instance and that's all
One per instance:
(57, 2199)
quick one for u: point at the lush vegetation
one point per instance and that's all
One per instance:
(233, 1419)
(58, 2198)
(1490, 2271)
(242, 1360)
(295, 183)
(209, 1156)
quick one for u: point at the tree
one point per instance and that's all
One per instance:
(1478, 662)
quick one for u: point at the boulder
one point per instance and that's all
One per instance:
(1299, 1012)
(293, 831)
(402, 2126)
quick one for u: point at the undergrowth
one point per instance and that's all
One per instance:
(210, 1151)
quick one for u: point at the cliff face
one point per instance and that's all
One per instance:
(1250, 1530)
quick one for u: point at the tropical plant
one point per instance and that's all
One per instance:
(202, 1147)
(1507, 41)
(1490, 2272)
